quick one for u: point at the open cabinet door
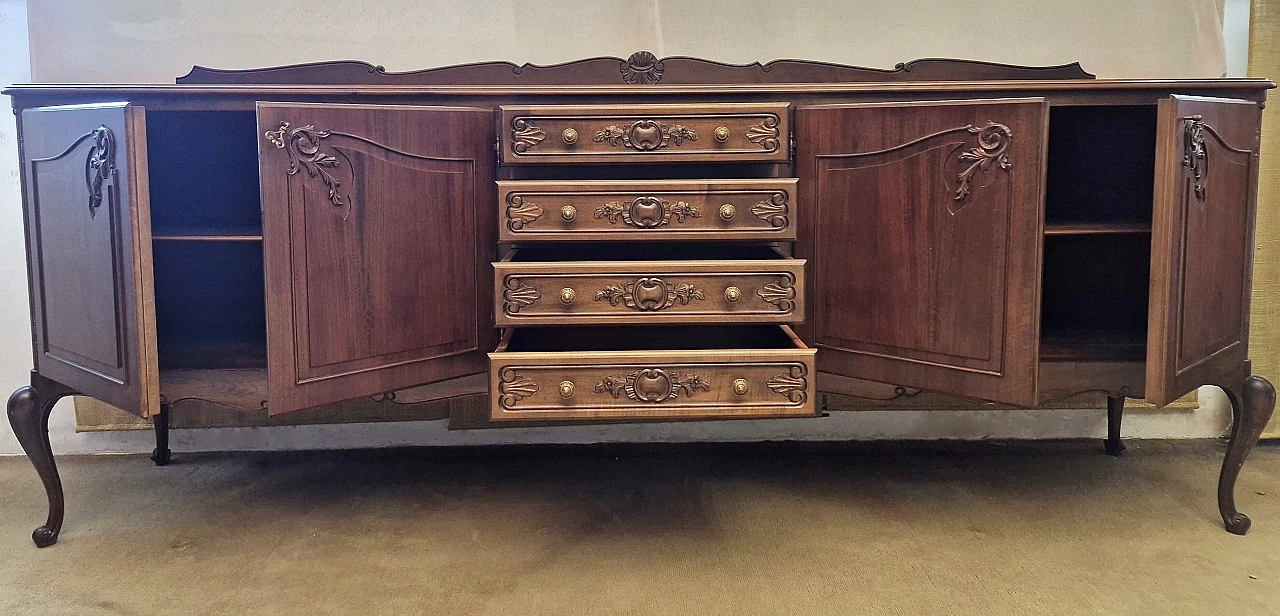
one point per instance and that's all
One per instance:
(89, 251)
(1201, 244)
(922, 224)
(378, 234)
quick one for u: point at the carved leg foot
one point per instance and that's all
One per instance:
(161, 454)
(29, 409)
(1251, 409)
(1115, 411)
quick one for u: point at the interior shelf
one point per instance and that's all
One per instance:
(1097, 228)
(208, 234)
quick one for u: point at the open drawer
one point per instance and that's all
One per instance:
(653, 373)
(650, 284)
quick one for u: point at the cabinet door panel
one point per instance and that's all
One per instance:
(89, 251)
(1201, 243)
(923, 240)
(378, 229)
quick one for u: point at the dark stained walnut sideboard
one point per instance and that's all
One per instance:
(640, 239)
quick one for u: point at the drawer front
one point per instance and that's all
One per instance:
(648, 292)
(666, 210)
(567, 134)
(632, 385)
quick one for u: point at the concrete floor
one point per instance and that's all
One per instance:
(1038, 528)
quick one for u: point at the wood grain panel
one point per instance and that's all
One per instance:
(655, 385)
(923, 236)
(599, 292)
(377, 239)
(89, 251)
(1201, 243)
(723, 132)
(647, 210)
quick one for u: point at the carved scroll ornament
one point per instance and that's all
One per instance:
(781, 294)
(514, 387)
(765, 134)
(647, 212)
(652, 385)
(521, 213)
(645, 135)
(649, 294)
(302, 144)
(793, 384)
(642, 68)
(1193, 154)
(517, 295)
(772, 210)
(993, 147)
(100, 165)
(525, 135)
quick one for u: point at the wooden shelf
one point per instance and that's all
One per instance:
(207, 234)
(1096, 228)
(1092, 347)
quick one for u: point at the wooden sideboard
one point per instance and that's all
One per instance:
(639, 239)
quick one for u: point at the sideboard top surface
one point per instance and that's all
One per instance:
(640, 76)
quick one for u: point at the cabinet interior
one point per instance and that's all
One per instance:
(203, 173)
(649, 338)
(1097, 245)
(206, 228)
(564, 251)
(1101, 168)
(1094, 297)
(210, 305)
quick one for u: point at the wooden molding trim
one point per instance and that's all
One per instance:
(640, 69)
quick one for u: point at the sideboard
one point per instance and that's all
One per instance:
(639, 239)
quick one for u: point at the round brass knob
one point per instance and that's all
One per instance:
(732, 294)
(570, 136)
(722, 133)
(567, 295)
(741, 387)
(568, 213)
(727, 211)
(566, 389)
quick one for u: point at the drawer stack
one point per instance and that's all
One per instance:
(628, 291)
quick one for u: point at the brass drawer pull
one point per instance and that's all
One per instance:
(732, 294)
(567, 295)
(727, 211)
(566, 389)
(568, 213)
(570, 136)
(741, 387)
(722, 133)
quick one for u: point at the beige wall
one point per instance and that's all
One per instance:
(141, 41)
(148, 40)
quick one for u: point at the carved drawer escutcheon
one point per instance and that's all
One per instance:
(647, 210)
(646, 292)
(692, 132)
(652, 385)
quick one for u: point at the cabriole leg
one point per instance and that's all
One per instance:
(1115, 412)
(29, 409)
(161, 454)
(1251, 409)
